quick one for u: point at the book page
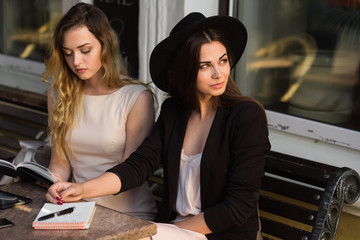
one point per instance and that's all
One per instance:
(7, 168)
(39, 169)
(7, 164)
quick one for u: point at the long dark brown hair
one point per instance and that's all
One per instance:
(184, 70)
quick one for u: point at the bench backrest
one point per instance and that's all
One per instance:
(19, 123)
(302, 199)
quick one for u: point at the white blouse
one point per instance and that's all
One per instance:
(188, 200)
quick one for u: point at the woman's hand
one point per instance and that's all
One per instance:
(61, 192)
(195, 223)
(107, 184)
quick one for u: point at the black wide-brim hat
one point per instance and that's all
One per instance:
(163, 54)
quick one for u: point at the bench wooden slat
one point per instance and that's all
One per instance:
(299, 169)
(22, 130)
(301, 161)
(283, 231)
(6, 155)
(23, 98)
(9, 142)
(287, 210)
(291, 190)
(23, 113)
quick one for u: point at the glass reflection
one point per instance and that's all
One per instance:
(302, 58)
(27, 26)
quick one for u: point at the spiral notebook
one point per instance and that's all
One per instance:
(79, 218)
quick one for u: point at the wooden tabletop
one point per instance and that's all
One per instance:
(106, 224)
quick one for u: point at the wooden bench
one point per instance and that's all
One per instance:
(299, 198)
(19, 123)
(23, 116)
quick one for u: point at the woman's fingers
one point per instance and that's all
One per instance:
(71, 193)
(49, 198)
(61, 192)
(55, 191)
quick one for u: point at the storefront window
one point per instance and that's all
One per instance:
(302, 58)
(26, 27)
(25, 32)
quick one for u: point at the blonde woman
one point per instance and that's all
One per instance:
(97, 114)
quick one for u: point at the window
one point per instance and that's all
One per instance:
(302, 64)
(25, 33)
(27, 27)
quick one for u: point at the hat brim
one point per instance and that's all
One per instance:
(162, 55)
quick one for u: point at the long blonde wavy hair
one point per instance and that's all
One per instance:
(68, 87)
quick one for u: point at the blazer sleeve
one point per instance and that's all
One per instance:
(248, 143)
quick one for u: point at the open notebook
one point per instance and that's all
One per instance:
(80, 218)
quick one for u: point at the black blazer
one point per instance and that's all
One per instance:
(231, 168)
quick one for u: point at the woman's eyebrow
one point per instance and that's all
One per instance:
(219, 59)
(222, 56)
(83, 45)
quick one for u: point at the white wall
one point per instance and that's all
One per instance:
(314, 150)
(206, 7)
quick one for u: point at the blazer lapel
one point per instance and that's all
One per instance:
(210, 154)
(174, 154)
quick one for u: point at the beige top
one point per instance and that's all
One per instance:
(98, 143)
(188, 201)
